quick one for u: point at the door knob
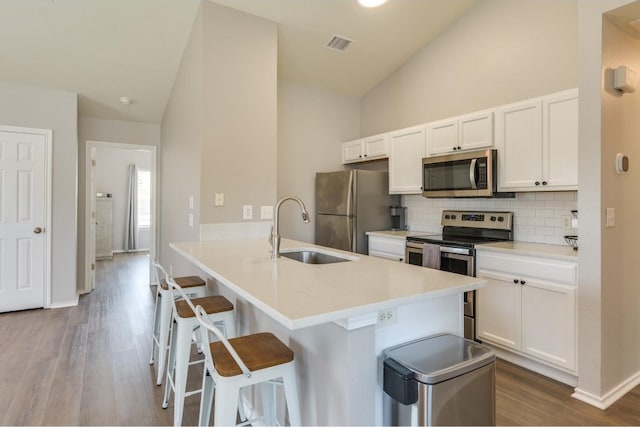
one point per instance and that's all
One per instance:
(37, 230)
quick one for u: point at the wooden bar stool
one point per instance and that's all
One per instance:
(194, 287)
(217, 309)
(239, 362)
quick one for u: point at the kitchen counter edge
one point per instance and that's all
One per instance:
(560, 252)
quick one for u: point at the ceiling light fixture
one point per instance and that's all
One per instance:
(371, 3)
(125, 100)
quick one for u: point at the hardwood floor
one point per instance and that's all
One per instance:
(89, 365)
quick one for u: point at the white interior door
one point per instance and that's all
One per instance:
(23, 218)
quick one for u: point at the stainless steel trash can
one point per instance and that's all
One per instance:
(439, 380)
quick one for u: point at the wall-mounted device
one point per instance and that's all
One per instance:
(622, 163)
(624, 79)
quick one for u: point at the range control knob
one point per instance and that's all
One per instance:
(453, 217)
(493, 218)
(447, 217)
(500, 219)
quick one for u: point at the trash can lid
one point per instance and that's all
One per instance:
(440, 357)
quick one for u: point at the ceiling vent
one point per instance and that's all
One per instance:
(338, 43)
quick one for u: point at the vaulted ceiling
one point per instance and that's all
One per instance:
(105, 49)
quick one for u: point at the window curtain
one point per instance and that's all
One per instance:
(131, 221)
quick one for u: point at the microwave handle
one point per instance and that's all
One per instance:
(472, 174)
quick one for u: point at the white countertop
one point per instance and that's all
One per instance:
(300, 295)
(532, 249)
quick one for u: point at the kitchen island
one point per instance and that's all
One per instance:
(336, 317)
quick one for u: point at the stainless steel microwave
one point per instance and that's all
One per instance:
(463, 174)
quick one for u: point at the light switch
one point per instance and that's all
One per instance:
(266, 212)
(190, 220)
(610, 217)
(219, 199)
(247, 212)
(190, 202)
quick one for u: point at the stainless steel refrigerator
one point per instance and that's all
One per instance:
(348, 204)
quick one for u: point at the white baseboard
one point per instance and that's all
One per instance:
(609, 398)
(235, 230)
(535, 366)
(65, 304)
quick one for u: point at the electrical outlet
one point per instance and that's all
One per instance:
(566, 222)
(247, 212)
(387, 317)
(266, 212)
(219, 199)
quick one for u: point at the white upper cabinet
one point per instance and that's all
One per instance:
(468, 132)
(364, 149)
(442, 136)
(537, 143)
(560, 140)
(352, 151)
(406, 150)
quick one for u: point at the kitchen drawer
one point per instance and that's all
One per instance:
(564, 272)
(387, 247)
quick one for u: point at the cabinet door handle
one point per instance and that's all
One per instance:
(537, 182)
(515, 281)
(522, 282)
(544, 182)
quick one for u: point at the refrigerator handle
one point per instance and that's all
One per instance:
(350, 195)
(350, 213)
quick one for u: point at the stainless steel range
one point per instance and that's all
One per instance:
(461, 232)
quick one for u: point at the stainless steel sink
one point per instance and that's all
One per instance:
(313, 257)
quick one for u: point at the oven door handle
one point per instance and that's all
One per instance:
(472, 174)
(459, 251)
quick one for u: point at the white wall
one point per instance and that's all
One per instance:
(312, 123)
(590, 257)
(499, 52)
(621, 274)
(30, 106)
(239, 149)
(113, 131)
(181, 151)
(219, 132)
(112, 176)
(609, 353)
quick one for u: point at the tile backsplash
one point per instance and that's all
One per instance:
(537, 216)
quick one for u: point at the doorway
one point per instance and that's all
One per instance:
(108, 176)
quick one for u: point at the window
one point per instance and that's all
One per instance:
(144, 198)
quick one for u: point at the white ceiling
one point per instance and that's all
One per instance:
(105, 49)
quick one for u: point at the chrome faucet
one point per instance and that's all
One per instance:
(274, 238)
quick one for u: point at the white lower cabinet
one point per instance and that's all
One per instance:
(387, 247)
(529, 306)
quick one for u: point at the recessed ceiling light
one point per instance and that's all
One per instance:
(125, 100)
(371, 3)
